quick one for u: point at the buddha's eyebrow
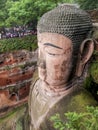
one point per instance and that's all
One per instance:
(50, 44)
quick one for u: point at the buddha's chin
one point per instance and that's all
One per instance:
(55, 82)
(51, 89)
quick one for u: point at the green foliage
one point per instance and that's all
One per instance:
(77, 121)
(3, 12)
(88, 82)
(96, 52)
(94, 67)
(58, 123)
(22, 12)
(91, 81)
(88, 4)
(94, 71)
(11, 44)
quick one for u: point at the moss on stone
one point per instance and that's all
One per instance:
(79, 101)
(87, 82)
(95, 33)
(95, 53)
(82, 100)
(14, 119)
(19, 124)
(75, 101)
(94, 71)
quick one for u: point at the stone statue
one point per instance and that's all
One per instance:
(64, 53)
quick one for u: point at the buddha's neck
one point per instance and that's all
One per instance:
(51, 90)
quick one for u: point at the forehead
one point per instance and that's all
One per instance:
(54, 39)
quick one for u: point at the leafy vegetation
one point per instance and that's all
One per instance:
(11, 44)
(13, 118)
(77, 121)
(94, 71)
(91, 81)
(88, 4)
(23, 12)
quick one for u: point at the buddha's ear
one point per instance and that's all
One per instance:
(86, 51)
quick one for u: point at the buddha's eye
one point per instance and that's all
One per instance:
(52, 54)
(53, 51)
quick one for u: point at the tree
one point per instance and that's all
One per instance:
(22, 12)
(88, 4)
(29, 11)
(3, 13)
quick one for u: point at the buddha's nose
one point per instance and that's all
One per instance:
(41, 63)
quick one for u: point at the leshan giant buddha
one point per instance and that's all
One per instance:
(64, 53)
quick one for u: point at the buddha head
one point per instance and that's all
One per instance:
(63, 47)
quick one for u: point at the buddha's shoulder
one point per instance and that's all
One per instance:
(76, 100)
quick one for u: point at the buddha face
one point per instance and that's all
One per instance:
(55, 58)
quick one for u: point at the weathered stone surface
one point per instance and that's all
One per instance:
(14, 119)
(64, 57)
(16, 71)
(94, 15)
(75, 99)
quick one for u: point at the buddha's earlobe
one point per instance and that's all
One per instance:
(86, 51)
